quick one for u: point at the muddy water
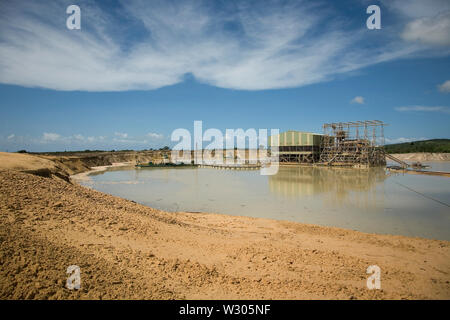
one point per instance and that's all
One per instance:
(366, 200)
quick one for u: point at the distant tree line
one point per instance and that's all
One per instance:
(434, 145)
(165, 148)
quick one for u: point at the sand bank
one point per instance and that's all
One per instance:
(128, 251)
(423, 156)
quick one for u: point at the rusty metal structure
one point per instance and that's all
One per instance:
(356, 144)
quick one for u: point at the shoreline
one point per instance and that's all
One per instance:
(130, 251)
(84, 176)
(422, 156)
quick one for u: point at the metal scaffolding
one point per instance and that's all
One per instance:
(358, 144)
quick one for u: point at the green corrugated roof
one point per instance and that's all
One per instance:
(297, 138)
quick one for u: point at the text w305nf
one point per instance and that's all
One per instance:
(228, 309)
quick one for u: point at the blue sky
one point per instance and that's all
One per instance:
(137, 70)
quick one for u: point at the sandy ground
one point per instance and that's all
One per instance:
(423, 156)
(129, 251)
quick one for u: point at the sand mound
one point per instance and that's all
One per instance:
(32, 164)
(24, 162)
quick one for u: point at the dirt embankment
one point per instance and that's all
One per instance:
(422, 156)
(63, 166)
(80, 162)
(33, 164)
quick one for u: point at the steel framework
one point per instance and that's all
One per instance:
(357, 143)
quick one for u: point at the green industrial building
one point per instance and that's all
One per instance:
(296, 146)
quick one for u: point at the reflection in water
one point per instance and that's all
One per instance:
(367, 200)
(336, 183)
(298, 181)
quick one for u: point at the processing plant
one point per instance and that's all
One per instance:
(351, 144)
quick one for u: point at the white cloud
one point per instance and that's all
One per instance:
(358, 99)
(445, 87)
(51, 136)
(155, 135)
(130, 141)
(433, 30)
(57, 142)
(78, 137)
(423, 109)
(121, 135)
(418, 8)
(239, 47)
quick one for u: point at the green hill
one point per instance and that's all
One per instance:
(433, 145)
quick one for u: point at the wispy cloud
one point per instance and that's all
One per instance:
(121, 135)
(423, 109)
(418, 8)
(51, 137)
(124, 138)
(51, 141)
(445, 87)
(425, 23)
(151, 44)
(358, 99)
(72, 139)
(130, 142)
(429, 30)
(155, 135)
